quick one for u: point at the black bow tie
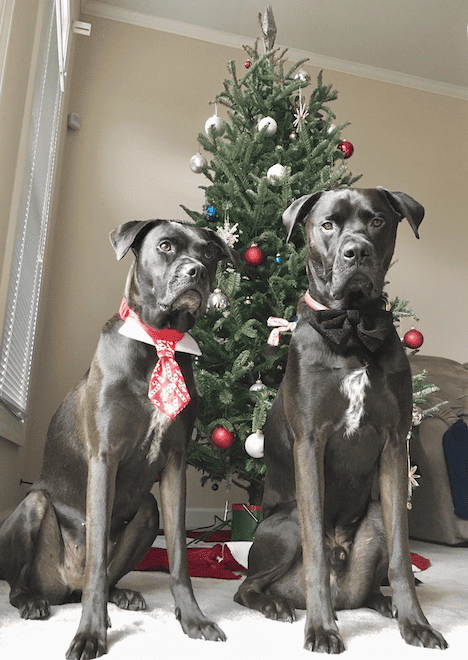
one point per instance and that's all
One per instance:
(371, 326)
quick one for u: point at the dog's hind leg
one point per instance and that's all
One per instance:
(27, 569)
(277, 548)
(129, 549)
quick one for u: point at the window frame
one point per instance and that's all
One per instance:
(50, 49)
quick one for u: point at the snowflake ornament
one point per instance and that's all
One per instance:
(229, 233)
(301, 114)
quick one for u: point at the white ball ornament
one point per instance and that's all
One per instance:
(198, 163)
(254, 444)
(276, 173)
(270, 124)
(213, 124)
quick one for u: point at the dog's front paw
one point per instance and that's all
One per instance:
(417, 634)
(86, 646)
(199, 627)
(323, 641)
(127, 599)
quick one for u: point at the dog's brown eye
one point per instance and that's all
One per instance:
(165, 246)
(377, 222)
(328, 225)
(209, 254)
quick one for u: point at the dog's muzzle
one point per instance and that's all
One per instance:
(356, 269)
(188, 288)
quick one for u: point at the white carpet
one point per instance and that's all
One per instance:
(155, 633)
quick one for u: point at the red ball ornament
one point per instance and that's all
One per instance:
(248, 64)
(347, 148)
(221, 437)
(413, 339)
(253, 255)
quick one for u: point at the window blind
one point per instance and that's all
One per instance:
(34, 208)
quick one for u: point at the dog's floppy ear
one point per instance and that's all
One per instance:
(406, 207)
(129, 235)
(299, 210)
(226, 252)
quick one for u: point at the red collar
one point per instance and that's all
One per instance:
(167, 334)
(313, 304)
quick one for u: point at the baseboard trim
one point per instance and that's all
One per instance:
(198, 518)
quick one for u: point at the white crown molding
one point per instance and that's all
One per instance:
(122, 15)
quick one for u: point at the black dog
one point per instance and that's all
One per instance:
(341, 417)
(91, 517)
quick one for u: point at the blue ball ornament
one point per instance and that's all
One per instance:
(210, 212)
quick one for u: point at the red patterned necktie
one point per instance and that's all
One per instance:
(167, 389)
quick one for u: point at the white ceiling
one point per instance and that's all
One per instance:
(420, 43)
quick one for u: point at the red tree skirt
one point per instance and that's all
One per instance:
(214, 562)
(421, 563)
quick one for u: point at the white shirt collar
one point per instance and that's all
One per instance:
(132, 329)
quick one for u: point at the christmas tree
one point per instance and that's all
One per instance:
(413, 340)
(275, 146)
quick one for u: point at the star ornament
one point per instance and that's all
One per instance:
(300, 115)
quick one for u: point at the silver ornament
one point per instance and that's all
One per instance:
(258, 385)
(198, 163)
(268, 25)
(217, 300)
(302, 76)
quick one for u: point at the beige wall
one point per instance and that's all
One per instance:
(143, 97)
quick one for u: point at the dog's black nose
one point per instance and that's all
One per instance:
(196, 272)
(355, 252)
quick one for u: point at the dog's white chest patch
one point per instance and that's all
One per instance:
(158, 426)
(354, 387)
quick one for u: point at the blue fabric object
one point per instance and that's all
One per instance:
(455, 442)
